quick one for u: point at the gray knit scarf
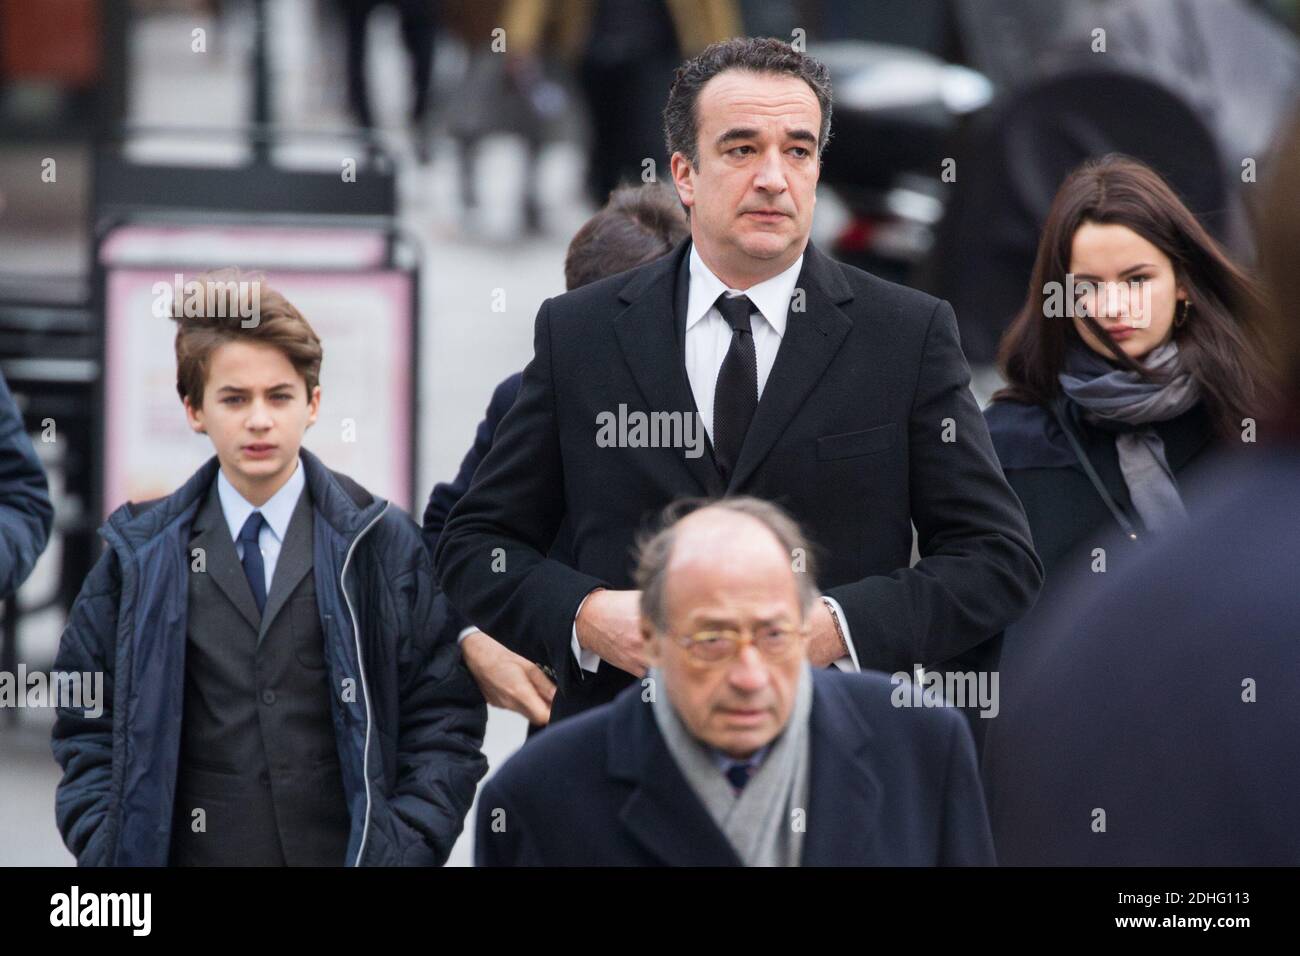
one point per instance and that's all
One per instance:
(1115, 397)
(761, 824)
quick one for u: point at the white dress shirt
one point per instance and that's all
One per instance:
(277, 511)
(708, 334)
(708, 338)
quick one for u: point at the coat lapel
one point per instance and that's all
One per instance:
(812, 337)
(212, 534)
(662, 814)
(844, 791)
(294, 561)
(651, 334)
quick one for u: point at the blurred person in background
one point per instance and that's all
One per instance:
(1109, 409)
(1155, 721)
(492, 97)
(624, 53)
(26, 515)
(419, 23)
(636, 226)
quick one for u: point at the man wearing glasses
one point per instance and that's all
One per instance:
(733, 750)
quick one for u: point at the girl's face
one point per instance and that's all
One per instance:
(1127, 284)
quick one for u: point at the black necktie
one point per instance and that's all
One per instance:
(736, 395)
(254, 569)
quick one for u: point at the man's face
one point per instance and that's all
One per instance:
(728, 572)
(255, 410)
(752, 197)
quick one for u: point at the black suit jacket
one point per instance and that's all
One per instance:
(889, 786)
(849, 437)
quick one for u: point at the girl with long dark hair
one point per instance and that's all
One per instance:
(1131, 357)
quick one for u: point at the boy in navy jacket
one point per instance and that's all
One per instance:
(282, 685)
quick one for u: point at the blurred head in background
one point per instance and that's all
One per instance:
(1124, 268)
(637, 225)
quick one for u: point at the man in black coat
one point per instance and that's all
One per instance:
(744, 362)
(637, 225)
(734, 751)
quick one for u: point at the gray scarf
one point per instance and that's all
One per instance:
(761, 824)
(1112, 397)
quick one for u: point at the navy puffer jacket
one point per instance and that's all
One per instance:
(409, 733)
(25, 512)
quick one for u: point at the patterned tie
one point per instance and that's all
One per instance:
(736, 394)
(738, 775)
(254, 569)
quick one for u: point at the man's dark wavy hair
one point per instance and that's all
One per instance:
(756, 54)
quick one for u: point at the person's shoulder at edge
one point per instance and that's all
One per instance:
(1009, 417)
(872, 696)
(395, 534)
(569, 750)
(142, 520)
(504, 395)
(594, 298)
(1026, 435)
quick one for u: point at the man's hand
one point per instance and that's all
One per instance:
(825, 645)
(610, 624)
(508, 680)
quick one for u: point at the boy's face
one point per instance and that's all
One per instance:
(255, 410)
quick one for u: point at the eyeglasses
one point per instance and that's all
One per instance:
(716, 645)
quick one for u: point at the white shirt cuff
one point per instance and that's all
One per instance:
(848, 663)
(588, 660)
(460, 638)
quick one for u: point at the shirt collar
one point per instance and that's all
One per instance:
(277, 511)
(771, 296)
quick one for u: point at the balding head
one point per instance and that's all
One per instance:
(723, 612)
(727, 532)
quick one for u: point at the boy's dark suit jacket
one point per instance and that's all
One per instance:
(866, 426)
(889, 786)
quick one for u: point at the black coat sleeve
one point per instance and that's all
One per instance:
(26, 515)
(978, 571)
(492, 557)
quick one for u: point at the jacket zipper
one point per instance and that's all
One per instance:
(361, 667)
(126, 559)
